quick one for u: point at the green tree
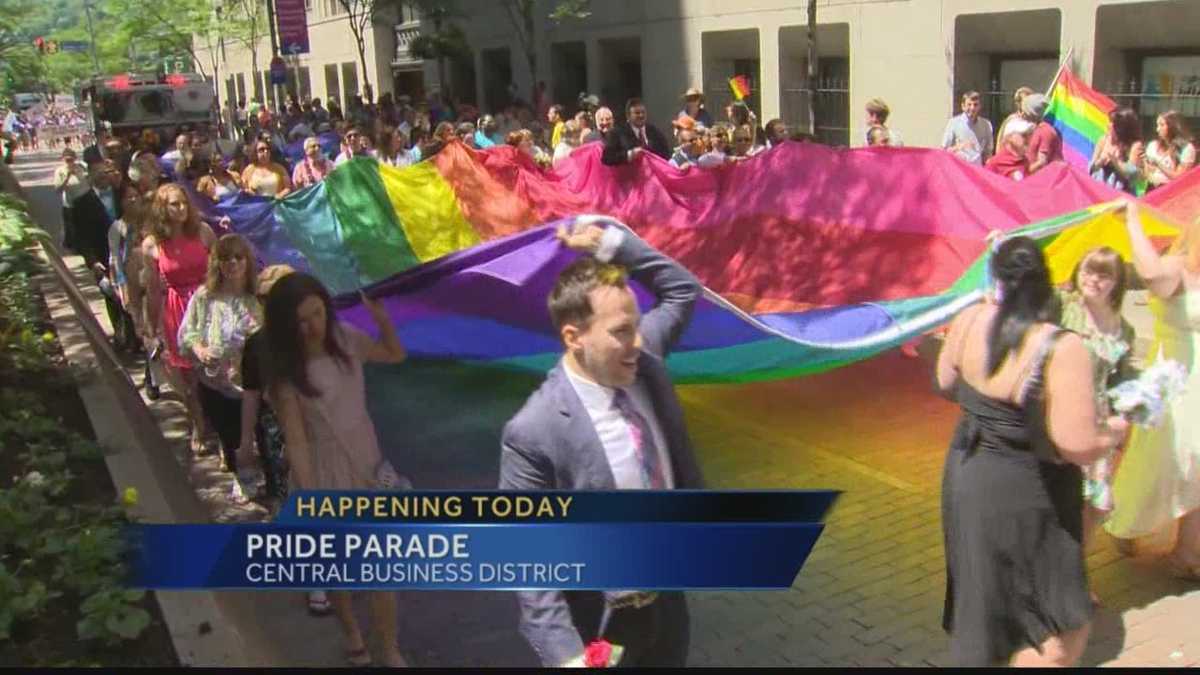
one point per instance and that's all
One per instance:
(363, 15)
(443, 38)
(522, 15)
(245, 21)
(14, 22)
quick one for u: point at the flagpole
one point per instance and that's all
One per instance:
(1058, 74)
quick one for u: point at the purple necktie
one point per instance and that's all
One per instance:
(643, 441)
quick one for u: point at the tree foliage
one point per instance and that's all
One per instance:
(523, 16)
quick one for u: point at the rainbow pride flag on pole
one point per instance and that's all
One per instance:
(740, 85)
(1080, 114)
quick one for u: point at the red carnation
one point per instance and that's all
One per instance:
(597, 654)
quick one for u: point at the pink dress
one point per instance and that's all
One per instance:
(344, 450)
(182, 265)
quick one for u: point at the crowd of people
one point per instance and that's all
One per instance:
(37, 129)
(260, 358)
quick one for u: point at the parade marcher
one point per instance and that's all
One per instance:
(604, 121)
(1156, 488)
(877, 113)
(124, 268)
(1171, 154)
(588, 133)
(318, 391)
(1016, 122)
(1119, 157)
(393, 151)
(610, 397)
(219, 183)
(264, 177)
(567, 143)
(1012, 490)
(1012, 161)
(557, 124)
(1045, 145)
(691, 148)
(175, 257)
(634, 137)
(220, 315)
(969, 135)
(693, 107)
(313, 168)
(1091, 308)
(485, 135)
(720, 142)
(71, 182)
(777, 132)
(878, 135)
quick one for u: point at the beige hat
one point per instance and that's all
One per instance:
(693, 92)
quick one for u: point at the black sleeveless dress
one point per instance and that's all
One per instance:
(1012, 522)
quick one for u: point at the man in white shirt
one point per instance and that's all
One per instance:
(607, 417)
(968, 135)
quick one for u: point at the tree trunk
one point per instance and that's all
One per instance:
(362, 58)
(812, 67)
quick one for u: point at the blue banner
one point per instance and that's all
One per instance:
(570, 541)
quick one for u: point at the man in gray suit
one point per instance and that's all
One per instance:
(607, 418)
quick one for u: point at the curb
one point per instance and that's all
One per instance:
(135, 456)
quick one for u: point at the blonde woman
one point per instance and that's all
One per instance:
(175, 255)
(1157, 487)
(220, 316)
(568, 141)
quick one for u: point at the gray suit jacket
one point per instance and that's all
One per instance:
(551, 443)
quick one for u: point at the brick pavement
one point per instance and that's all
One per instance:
(869, 595)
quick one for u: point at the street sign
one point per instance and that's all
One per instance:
(278, 71)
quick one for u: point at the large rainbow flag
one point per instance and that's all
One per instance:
(812, 257)
(1080, 114)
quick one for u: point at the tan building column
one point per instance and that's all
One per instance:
(768, 71)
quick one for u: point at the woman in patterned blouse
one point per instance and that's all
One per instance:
(219, 317)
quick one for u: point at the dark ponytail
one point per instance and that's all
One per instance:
(1026, 297)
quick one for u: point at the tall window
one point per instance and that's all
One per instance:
(334, 8)
(349, 81)
(305, 85)
(332, 84)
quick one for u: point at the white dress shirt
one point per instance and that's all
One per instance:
(615, 434)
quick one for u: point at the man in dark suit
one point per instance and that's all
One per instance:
(94, 212)
(629, 140)
(607, 417)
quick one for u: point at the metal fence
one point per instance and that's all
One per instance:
(831, 99)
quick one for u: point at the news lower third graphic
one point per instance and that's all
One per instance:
(671, 540)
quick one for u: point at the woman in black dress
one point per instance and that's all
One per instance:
(1016, 584)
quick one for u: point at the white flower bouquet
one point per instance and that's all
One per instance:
(1144, 400)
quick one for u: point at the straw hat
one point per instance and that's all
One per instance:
(693, 92)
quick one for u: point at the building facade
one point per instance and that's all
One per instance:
(918, 55)
(331, 70)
